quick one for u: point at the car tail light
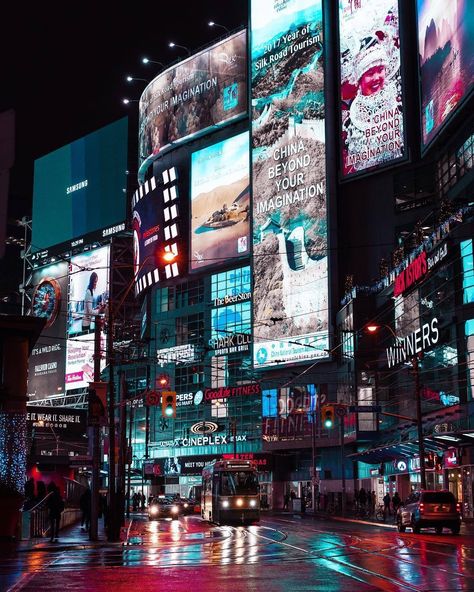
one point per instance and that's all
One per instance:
(422, 508)
(458, 507)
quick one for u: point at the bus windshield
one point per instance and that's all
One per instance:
(239, 483)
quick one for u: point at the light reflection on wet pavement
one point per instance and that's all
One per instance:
(276, 554)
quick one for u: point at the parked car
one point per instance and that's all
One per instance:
(163, 507)
(430, 509)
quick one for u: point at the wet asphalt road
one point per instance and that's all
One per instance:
(278, 554)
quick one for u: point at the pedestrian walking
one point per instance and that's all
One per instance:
(386, 504)
(55, 505)
(396, 501)
(286, 501)
(374, 501)
(362, 497)
(85, 505)
(369, 501)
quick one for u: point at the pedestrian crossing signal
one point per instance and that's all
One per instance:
(327, 416)
(168, 404)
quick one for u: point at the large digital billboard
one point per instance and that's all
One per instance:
(371, 85)
(289, 182)
(201, 92)
(88, 297)
(88, 290)
(446, 59)
(220, 203)
(47, 359)
(80, 188)
(157, 230)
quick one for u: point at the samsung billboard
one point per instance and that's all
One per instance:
(372, 130)
(47, 358)
(220, 203)
(446, 60)
(80, 189)
(290, 293)
(206, 90)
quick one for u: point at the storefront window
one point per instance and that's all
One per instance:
(231, 283)
(468, 271)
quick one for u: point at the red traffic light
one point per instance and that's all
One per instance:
(163, 381)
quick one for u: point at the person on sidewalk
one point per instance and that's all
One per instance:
(362, 497)
(85, 505)
(369, 502)
(396, 501)
(55, 505)
(374, 501)
(286, 501)
(386, 505)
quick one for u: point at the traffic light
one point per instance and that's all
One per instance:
(327, 416)
(163, 381)
(168, 404)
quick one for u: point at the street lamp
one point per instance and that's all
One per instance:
(172, 44)
(373, 328)
(148, 61)
(214, 24)
(127, 101)
(132, 78)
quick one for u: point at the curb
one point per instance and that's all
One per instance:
(65, 547)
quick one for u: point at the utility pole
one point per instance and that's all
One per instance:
(419, 422)
(113, 530)
(313, 459)
(122, 449)
(343, 472)
(130, 423)
(93, 531)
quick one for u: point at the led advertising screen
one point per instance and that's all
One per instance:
(80, 188)
(203, 91)
(47, 359)
(88, 290)
(220, 203)
(371, 85)
(231, 329)
(446, 59)
(80, 360)
(289, 182)
(158, 247)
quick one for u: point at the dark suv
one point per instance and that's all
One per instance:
(425, 509)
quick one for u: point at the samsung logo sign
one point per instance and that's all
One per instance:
(76, 187)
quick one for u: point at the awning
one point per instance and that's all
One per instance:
(397, 450)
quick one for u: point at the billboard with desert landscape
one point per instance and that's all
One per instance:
(289, 182)
(220, 203)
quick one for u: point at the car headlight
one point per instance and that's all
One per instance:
(174, 509)
(225, 504)
(185, 505)
(253, 503)
(239, 502)
(153, 510)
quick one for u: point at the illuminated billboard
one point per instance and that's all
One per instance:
(220, 203)
(289, 182)
(80, 360)
(88, 290)
(371, 85)
(206, 90)
(230, 329)
(446, 50)
(157, 232)
(80, 189)
(47, 359)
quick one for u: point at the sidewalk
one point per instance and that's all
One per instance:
(71, 537)
(467, 528)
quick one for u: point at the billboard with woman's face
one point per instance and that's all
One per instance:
(446, 58)
(370, 85)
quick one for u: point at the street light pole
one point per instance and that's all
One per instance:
(419, 423)
(343, 472)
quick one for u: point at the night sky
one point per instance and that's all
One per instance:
(63, 67)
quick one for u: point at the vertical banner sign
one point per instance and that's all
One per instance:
(446, 59)
(371, 85)
(289, 182)
(48, 357)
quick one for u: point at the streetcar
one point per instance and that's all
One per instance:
(230, 492)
